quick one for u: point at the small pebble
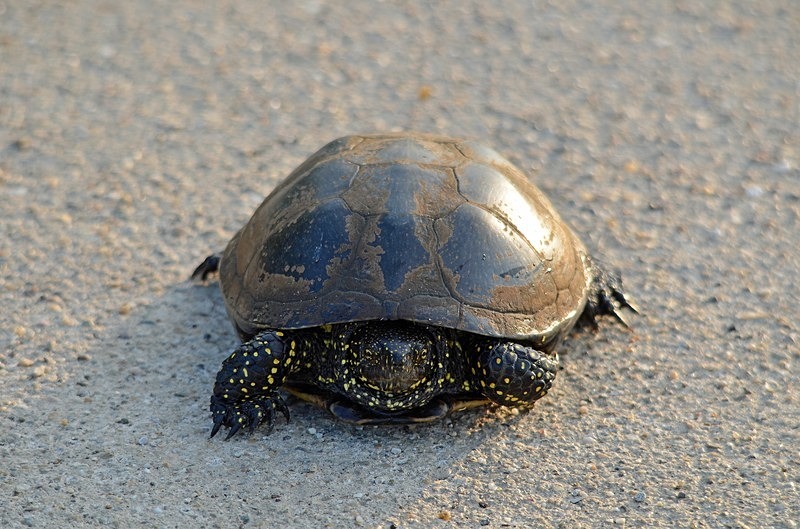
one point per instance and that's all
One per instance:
(69, 321)
(576, 496)
(782, 166)
(754, 191)
(631, 166)
(424, 92)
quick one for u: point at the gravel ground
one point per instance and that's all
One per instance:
(136, 137)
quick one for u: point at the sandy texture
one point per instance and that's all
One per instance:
(136, 137)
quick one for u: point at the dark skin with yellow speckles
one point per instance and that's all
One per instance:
(376, 372)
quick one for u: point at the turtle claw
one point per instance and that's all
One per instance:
(607, 298)
(247, 414)
(614, 301)
(217, 425)
(206, 268)
(281, 406)
(235, 428)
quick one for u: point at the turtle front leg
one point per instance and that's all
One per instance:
(512, 374)
(246, 391)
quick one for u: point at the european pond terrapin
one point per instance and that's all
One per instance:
(396, 278)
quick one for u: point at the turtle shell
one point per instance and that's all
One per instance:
(427, 229)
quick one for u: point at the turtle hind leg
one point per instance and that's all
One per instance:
(606, 297)
(209, 266)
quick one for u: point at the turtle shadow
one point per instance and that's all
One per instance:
(174, 347)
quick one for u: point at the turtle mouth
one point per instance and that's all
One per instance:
(387, 400)
(398, 381)
(390, 390)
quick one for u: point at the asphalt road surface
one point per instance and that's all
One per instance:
(137, 137)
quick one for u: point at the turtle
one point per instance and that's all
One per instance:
(396, 278)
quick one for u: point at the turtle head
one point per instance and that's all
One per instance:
(391, 366)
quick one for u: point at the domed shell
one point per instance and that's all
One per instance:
(427, 229)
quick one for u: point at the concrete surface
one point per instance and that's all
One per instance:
(136, 137)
